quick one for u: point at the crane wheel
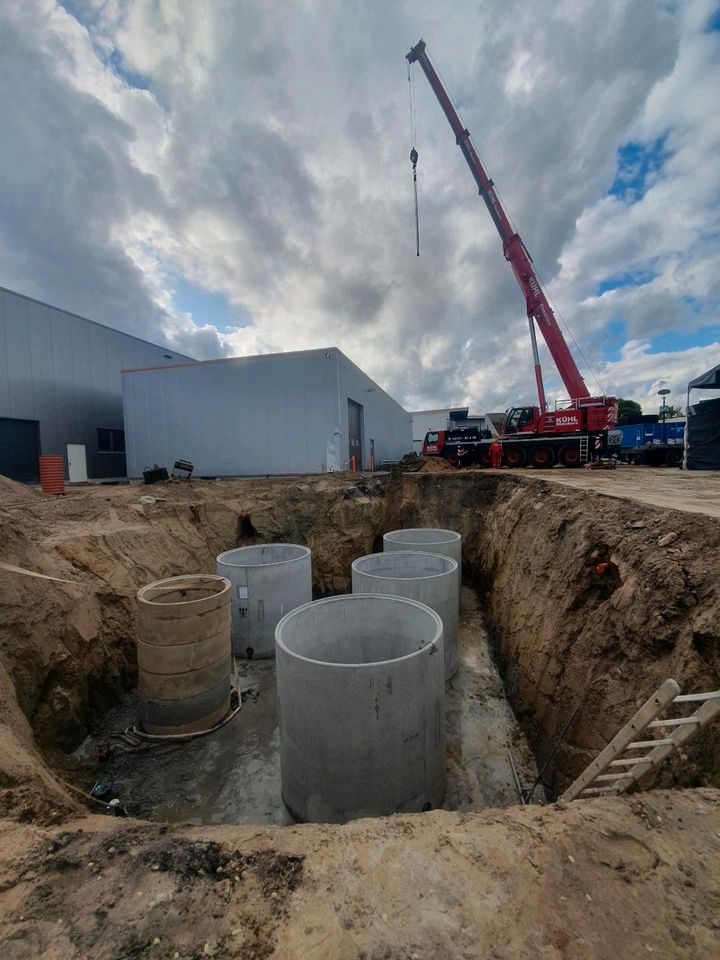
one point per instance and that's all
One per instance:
(675, 457)
(569, 456)
(514, 457)
(542, 457)
(483, 457)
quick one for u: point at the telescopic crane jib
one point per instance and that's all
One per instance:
(539, 310)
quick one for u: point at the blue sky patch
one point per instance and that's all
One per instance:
(87, 17)
(673, 340)
(207, 307)
(614, 338)
(116, 63)
(631, 278)
(714, 22)
(637, 165)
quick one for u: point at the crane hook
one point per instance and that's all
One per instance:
(413, 161)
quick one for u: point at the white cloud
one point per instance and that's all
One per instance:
(648, 372)
(267, 161)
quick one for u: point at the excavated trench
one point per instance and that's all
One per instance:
(586, 604)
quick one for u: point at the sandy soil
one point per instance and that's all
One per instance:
(630, 877)
(575, 640)
(604, 880)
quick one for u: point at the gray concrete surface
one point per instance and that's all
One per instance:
(361, 708)
(268, 580)
(429, 578)
(448, 543)
(664, 487)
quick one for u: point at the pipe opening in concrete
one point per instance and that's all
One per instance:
(429, 578)
(405, 565)
(421, 536)
(448, 543)
(357, 631)
(361, 707)
(263, 554)
(184, 589)
(268, 581)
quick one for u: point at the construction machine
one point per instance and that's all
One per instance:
(577, 429)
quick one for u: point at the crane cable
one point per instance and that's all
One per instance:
(554, 306)
(414, 154)
(569, 331)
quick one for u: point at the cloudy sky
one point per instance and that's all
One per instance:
(232, 177)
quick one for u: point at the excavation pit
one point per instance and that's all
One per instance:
(577, 649)
(233, 775)
(574, 645)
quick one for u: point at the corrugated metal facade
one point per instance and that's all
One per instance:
(62, 372)
(273, 414)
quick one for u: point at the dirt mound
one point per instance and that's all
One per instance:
(11, 491)
(434, 465)
(608, 878)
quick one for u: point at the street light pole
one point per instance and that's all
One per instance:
(663, 409)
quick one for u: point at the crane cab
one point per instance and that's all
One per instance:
(522, 420)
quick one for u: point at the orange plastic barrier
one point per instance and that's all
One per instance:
(52, 473)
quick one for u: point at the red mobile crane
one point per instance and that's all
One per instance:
(577, 427)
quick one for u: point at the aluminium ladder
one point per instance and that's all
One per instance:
(627, 769)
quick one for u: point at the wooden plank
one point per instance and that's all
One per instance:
(629, 762)
(678, 722)
(639, 744)
(610, 776)
(651, 709)
(702, 715)
(596, 791)
(697, 697)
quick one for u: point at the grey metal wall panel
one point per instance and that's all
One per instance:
(64, 371)
(273, 414)
(384, 420)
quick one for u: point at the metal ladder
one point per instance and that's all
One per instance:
(627, 770)
(584, 448)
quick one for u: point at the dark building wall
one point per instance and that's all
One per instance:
(63, 371)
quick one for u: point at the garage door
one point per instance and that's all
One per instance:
(19, 449)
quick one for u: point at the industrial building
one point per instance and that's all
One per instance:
(60, 389)
(310, 411)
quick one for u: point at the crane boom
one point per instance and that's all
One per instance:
(539, 310)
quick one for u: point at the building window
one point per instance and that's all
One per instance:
(111, 441)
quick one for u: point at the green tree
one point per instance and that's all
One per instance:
(673, 412)
(627, 408)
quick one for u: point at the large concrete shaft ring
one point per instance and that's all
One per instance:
(361, 708)
(184, 653)
(448, 543)
(268, 581)
(428, 577)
